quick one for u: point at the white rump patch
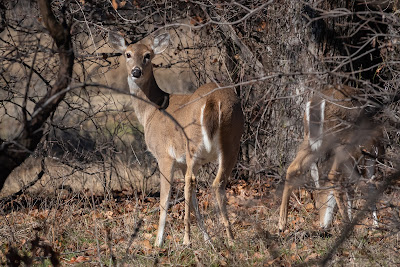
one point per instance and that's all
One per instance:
(206, 138)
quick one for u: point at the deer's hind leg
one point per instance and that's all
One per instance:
(229, 150)
(189, 188)
(194, 206)
(219, 185)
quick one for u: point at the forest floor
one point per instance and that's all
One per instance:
(119, 230)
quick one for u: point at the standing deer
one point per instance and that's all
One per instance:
(340, 144)
(208, 126)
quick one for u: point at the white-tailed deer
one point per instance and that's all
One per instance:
(210, 127)
(341, 144)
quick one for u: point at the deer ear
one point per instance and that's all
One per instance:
(160, 43)
(117, 42)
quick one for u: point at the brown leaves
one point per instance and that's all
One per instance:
(146, 244)
(196, 20)
(118, 4)
(312, 256)
(39, 214)
(79, 259)
(114, 4)
(253, 219)
(262, 26)
(309, 206)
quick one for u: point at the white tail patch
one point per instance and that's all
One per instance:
(206, 139)
(315, 141)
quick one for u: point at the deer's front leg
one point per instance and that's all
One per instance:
(299, 165)
(166, 180)
(337, 181)
(287, 190)
(370, 170)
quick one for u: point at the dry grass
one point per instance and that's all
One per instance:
(119, 229)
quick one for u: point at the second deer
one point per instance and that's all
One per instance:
(206, 126)
(341, 144)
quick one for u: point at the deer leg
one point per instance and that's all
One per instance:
(326, 204)
(194, 204)
(188, 199)
(229, 150)
(370, 168)
(336, 178)
(195, 207)
(324, 201)
(342, 201)
(166, 179)
(287, 190)
(299, 165)
(219, 184)
(373, 190)
(349, 198)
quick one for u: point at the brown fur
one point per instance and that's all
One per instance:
(211, 118)
(347, 134)
(175, 136)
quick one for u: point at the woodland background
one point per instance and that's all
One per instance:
(77, 184)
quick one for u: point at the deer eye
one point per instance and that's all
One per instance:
(128, 55)
(146, 58)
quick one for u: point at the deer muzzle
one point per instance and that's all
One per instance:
(136, 72)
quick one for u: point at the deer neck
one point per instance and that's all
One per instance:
(150, 91)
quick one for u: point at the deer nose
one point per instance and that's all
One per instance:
(136, 72)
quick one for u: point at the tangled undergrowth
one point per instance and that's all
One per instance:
(118, 229)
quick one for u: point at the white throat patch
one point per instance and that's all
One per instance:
(133, 87)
